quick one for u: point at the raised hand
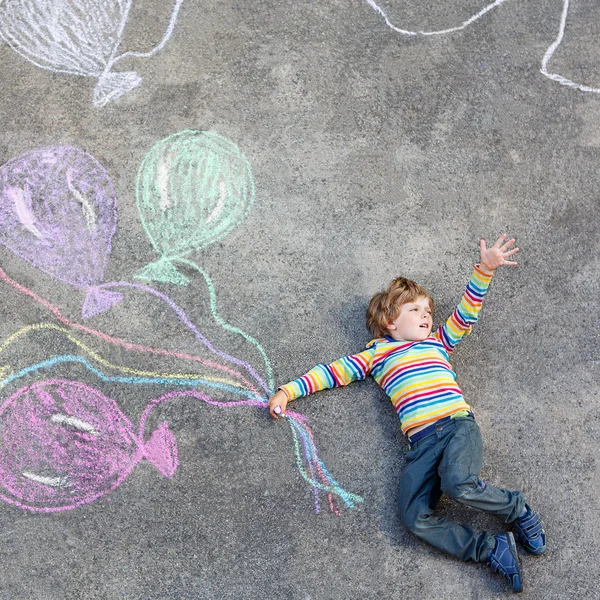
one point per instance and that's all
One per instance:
(494, 257)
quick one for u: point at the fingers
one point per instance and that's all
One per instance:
(500, 240)
(510, 252)
(507, 245)
(277, 404)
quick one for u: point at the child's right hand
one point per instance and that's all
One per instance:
(279, 399)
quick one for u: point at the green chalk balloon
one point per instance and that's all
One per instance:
(193, 188)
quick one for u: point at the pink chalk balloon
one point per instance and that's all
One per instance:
(64, 444)
(58, 211)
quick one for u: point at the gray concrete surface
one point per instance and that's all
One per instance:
(373, 155)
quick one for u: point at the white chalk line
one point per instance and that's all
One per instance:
(55, 482)
(163, 42)
(463, 25)
(552, 49)
(73, 422)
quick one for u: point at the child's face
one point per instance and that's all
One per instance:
(414, 321)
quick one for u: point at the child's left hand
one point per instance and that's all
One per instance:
(494, 257)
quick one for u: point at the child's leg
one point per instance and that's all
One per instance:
(459, 472)
(419, 492)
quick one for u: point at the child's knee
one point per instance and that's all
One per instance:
(414, 519)
(457, 486)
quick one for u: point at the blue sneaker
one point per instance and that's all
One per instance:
(504, 560)
(531, 533)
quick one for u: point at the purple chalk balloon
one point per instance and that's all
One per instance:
(58, 211)
(64, 444)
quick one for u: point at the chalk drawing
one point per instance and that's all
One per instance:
(77, 37)
(463, 25)
(58, 211)
(65, 444)
(193, 188)
(545, 60)
(308, 463)
(193, 381)
(172, 305)
(552, 49)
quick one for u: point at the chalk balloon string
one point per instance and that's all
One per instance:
(550, 53)
(105, 337)
(157, 48)
(229, 385)
(463, 25)
(182, 316)
(8, 376)
(213, 308)
(301, 432)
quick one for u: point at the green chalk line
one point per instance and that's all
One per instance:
(213, 309)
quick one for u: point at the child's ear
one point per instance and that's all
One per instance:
(391, 327)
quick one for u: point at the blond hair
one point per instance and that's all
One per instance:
(384, 307)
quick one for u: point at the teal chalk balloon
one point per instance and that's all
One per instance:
(193, 188)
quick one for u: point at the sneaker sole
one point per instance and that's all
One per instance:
(513, 550)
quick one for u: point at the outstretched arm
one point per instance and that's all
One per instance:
(460, 322)
(323, 377)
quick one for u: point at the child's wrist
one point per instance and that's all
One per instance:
(484, 269)
(284, 392)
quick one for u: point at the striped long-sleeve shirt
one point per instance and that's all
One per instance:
(417, 375)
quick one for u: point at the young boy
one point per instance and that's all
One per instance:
(445, 451)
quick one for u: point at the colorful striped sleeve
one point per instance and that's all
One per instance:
(323, 377)
(466, 313)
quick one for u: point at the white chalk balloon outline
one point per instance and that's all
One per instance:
(84, 50)
(463, 25)
(552, 49)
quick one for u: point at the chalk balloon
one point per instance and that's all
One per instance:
(58, 211)
(64, 444)
(193, 188)
(77, 37)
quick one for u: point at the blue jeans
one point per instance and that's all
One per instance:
(449, 461)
